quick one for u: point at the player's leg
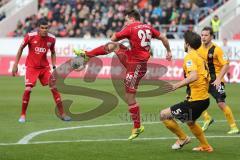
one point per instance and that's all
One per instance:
(101, 50)
(134, 110)
(25, 101)
(134, 74)
(122, 53)
(167, 117)
(206, 116)
(199, 134)
(208, 120)
(44, 78)
(220, 96)
(116, 47)
(196, 108)
(30, 81)
(229, 116)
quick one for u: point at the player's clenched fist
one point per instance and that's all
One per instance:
(14, 70)
(169, 56)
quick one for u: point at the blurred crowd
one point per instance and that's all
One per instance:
(2, 14)
(100, 18)
(3, 2)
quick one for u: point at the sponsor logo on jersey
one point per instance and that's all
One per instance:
(39, 50)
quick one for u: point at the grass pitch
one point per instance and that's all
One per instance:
(97, 140)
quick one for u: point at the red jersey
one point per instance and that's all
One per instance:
(140, 36)
(37, 49)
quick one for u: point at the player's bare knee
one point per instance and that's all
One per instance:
(52, 88)
(221, 105)
(112, 47)
(165, 114)
(130, 98)
(162, 116)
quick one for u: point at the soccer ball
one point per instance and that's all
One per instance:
(77, 63)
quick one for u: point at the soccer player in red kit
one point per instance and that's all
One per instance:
(134, 59)
(37, 66)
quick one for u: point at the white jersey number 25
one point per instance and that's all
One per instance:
(145, 36)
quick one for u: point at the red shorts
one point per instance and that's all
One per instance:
(136, 69)
(32, 74)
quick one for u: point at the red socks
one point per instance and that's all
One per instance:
(58, 101)
(97, 51)
(135, 114)
(25, 100)
(56, 96)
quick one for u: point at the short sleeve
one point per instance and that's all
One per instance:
(124, 33)
(25, 41)
(221, 56)
(189, 64)
(155, 33)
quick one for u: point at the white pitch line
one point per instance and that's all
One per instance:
(124, 139)
(30, 136)
(27, 138)
(8, 144)
(112, 140)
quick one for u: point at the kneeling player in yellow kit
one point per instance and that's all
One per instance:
(196, 80)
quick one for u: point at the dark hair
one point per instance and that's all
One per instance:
(133, 13)
(43, 21)
(207, 28)
(193, 39)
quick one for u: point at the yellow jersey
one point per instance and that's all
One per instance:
(215, 59)
(197, 90)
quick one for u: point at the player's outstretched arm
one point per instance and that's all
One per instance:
(18, 56)
(166, 45)
(191, 78)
